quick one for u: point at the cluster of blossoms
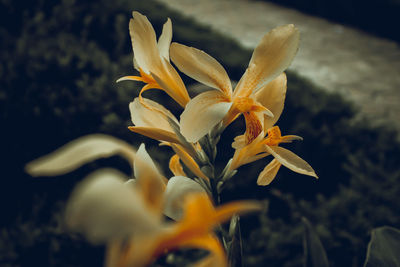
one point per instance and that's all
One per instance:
(128, 214)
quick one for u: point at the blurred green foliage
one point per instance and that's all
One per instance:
(383, 247)
(58, 64)
(379, 17)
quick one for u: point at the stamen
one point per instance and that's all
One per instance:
(275, 137)
(274, 132)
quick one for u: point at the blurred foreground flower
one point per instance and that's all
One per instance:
(126, 214)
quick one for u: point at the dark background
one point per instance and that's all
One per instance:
(58, 64)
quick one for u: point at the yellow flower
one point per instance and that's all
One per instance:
(271, 96)
(151, 59)
(270, 58)
(194, 230)
(269, 145)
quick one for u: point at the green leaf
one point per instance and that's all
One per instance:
(384, 247)
(314, 252)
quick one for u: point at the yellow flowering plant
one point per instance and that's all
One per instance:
(128, 214)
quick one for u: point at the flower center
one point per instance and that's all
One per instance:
(244, 104)
(274, 136)
(147, 78)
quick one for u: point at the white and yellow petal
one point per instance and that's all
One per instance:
(177, 190)
(202, 67)
(170, 81)
(149, 113)
(272, 96)
(164, 41)
(202, 113)
(79, 152)
(152, 120)
(270, 58)
(269, 173)
(144, 43)
(103, 208)
(150, 183)
(291, 160)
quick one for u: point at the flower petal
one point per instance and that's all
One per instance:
(202, 113)
(245, 154)
(176, 167)
(178, 188)
(79, 152)
(164, 41)
(103, 208)
(272, 96)
(269, 173)
(151, 184)
(188, 160)
(140, 252)
(271, 57)
(169, 80)
(201, 67)
(156, 133)
(150, 114)
(291, 160)
(226, 211)
(216, 258)
(199, 218)
(144, 43)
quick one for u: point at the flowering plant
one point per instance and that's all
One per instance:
(128, 213)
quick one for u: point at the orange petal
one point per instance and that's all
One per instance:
(217, 257)
(245, 154)
(175, 166)
(155, 133)
(130, 78)
(253, 126)
(290, 138)
(188, 161)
